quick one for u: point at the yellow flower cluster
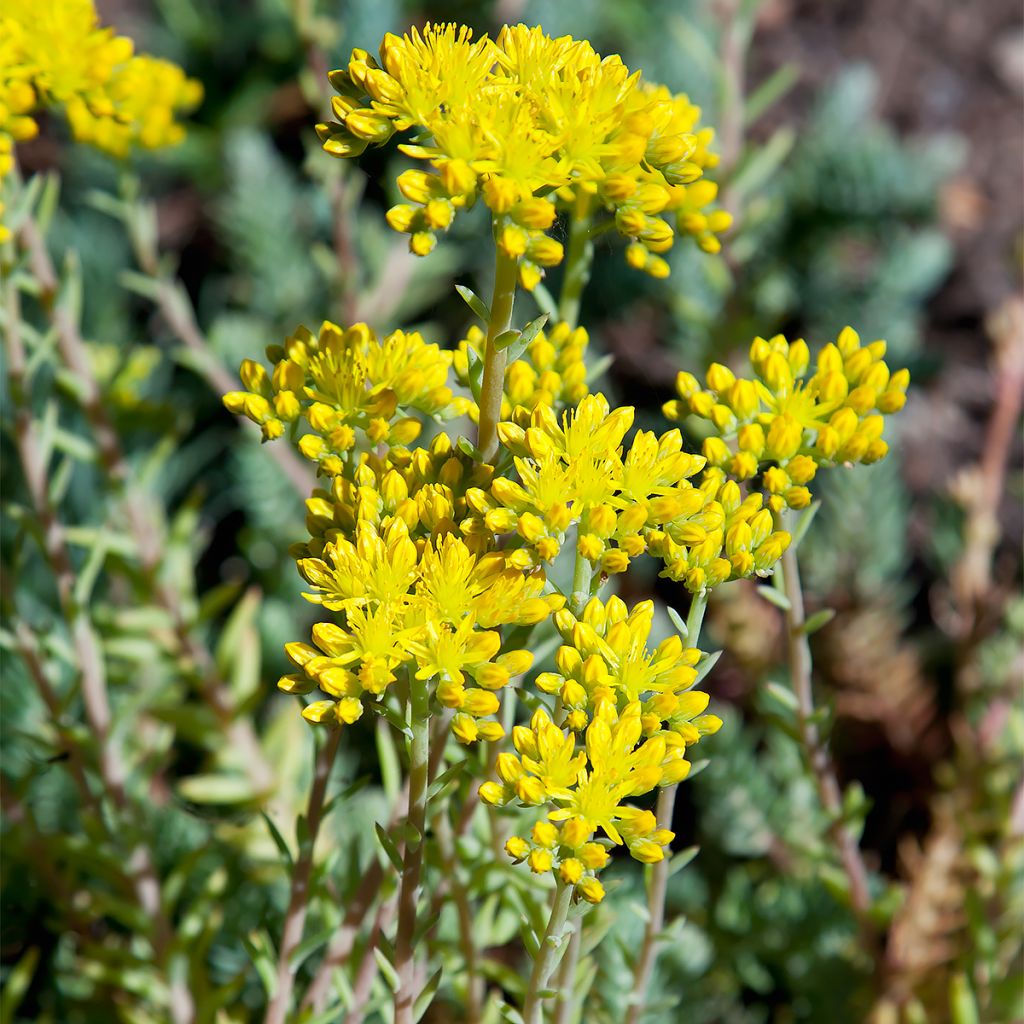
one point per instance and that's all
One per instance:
(430, 605)
(551, 372)
(782, 425)
(55, 54)
(344, 381)
(574, 472)
(395, 552)
(530, 125)
(637, 713)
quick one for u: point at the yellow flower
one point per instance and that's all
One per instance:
(378, 568)
(530, 124)
(56, 54)
(606, 658)
(454, 584)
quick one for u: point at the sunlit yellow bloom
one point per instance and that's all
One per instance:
(56, 55)
(531, 125)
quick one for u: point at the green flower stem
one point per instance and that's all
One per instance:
(815, 748)
(493, 384)
(578, 259)
(657, 885)
(566, 984)
(412, 867)
(547, 956)
(582, 576)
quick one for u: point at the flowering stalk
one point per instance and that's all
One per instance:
(551, 948)
(412, 864)
(815, 748)
(493, 383)
(422, 555)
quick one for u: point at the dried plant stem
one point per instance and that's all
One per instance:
(146, 532)
(295, 916)
(412, 865)
(657, 886)
(358, 907)
(493, 384)
(175, 307)
(815, 749)
(656, 890)
(546, 960)
(88, 654)
(449, 856)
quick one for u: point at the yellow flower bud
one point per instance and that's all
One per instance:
(517, 847)
(797, 497)
(500, 194)
(591, 890)
(457, 177)
(614, 560)
(535, 213)
(402, 218)
(646, 852)
(530, 790)
(479, 703)
(540, 861)
(491, 677)
(422, 243)
(544, 833)
(784, 438)
(545, 251)
(743, 399)
(570, 871)
(491, 793)
(777, 374)
(801, 469)
(465, 728)
(491, 731)
(720, 378)
(320, 712)
(716, 451)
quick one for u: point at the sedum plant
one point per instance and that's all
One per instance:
(466, 585)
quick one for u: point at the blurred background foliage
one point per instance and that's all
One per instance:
(865, 154)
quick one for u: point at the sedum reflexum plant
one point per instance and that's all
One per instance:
(441, 570)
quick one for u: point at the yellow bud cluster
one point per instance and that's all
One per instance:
(785, 422)
(113, 99)
(606, 659)
(566, 852)
(341, 381)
